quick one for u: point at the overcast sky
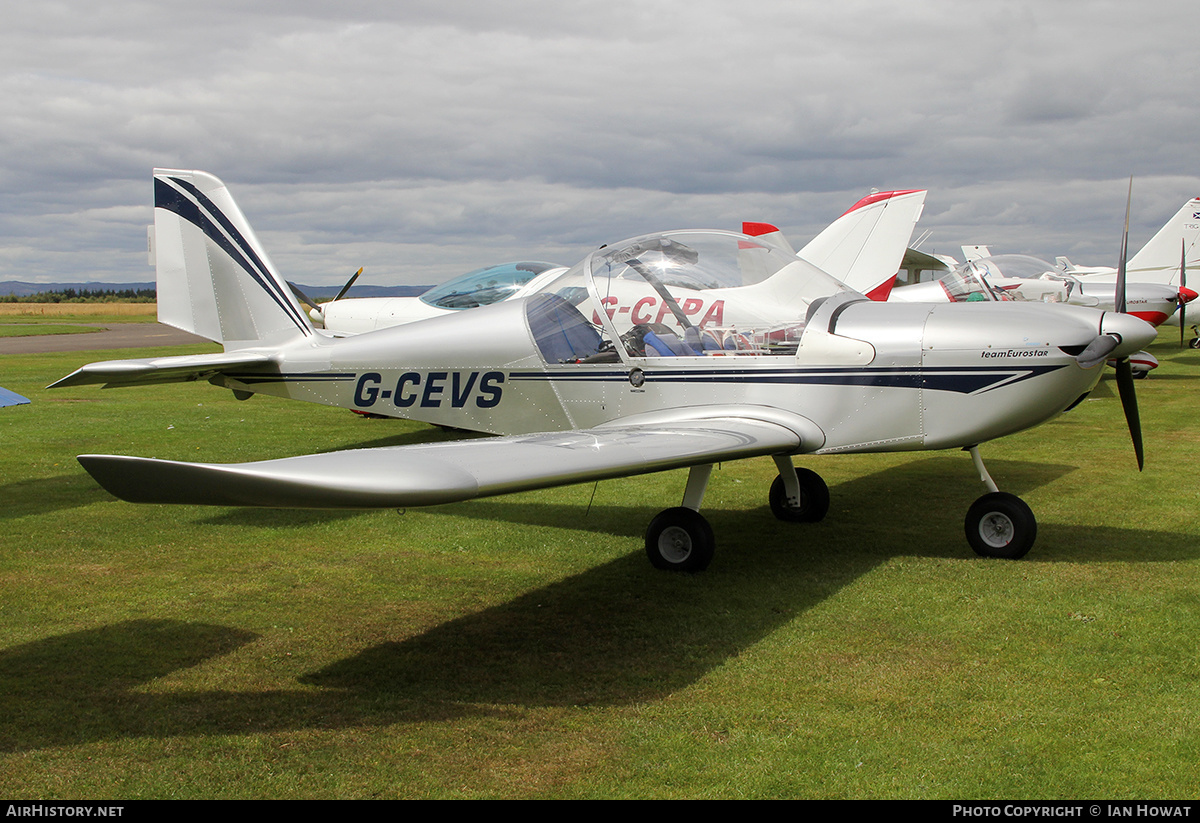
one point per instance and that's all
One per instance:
(422, 139)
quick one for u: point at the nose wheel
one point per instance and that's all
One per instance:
(999, 524)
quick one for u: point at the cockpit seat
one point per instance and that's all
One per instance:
(561, 332)
(666, 343)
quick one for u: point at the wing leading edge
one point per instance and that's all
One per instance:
(400, 476)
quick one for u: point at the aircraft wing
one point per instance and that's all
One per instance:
(146, 371)
(423, 475)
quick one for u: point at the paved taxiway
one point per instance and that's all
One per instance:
(116, 336)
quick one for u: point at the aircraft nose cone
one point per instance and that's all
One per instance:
(1135, 333)
(1187, 295)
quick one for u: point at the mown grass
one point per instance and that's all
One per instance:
(58, 313)
(29, 328)
(523, 647)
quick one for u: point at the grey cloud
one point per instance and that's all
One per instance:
(421, 138)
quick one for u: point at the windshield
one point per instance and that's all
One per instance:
(695, 293)
(485, 286)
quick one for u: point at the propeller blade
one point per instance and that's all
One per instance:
(1097, 351)
(1120, 296)
(1182, 286)
(302, 297)
(1129, 404)
(349, 283)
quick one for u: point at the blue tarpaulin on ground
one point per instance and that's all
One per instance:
(11, 398)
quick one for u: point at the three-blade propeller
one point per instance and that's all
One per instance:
(1183, 299)
(1124, 370)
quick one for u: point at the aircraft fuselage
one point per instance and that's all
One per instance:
(889, 377)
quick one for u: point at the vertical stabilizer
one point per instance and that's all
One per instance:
(865, 246)
(1158, 260)
(214, 277)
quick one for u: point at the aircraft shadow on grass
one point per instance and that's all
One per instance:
(614, 634)
(885, 497)
(914, 496)
(49, 494)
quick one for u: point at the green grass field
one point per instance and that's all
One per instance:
(523, 647)
(29, 328)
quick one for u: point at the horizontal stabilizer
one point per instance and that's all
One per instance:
(153, 370)
(424, 475)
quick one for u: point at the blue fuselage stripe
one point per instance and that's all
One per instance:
(965, 380)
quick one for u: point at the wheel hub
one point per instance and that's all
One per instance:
(997, 530)
(675, 544)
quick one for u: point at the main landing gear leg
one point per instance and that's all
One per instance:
(798, 495)
(998, 524)
(680, 539)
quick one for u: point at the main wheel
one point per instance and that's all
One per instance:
(1001, 525)
(814, 498)
(681, 540)
(1194, 343)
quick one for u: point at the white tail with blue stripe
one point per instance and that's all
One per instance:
(214, 277)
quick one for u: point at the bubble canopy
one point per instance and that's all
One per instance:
(695, 292)
(983, 278)
(1017, 265)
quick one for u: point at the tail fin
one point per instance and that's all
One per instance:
(1159, 258)
(865, 246)
(768, 233)
(214, 278)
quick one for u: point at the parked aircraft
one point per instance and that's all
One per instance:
(1158, 263)
(865, 246)
(482, 287)
(1021, 277)
(1159, 260)
(862, 248)
(1163, 260)
(578, 396)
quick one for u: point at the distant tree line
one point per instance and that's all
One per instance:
(84, 296)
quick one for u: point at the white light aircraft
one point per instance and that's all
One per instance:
(576, 397)
(1159, 260)
(1164, 260)
(862, 248)
(482, 287)
(865, 246)
(1156, 276)
(1026, 278)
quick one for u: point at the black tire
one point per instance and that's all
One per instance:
(814, 498)
(1001, 525)
(1194, 343)
(680, 540)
